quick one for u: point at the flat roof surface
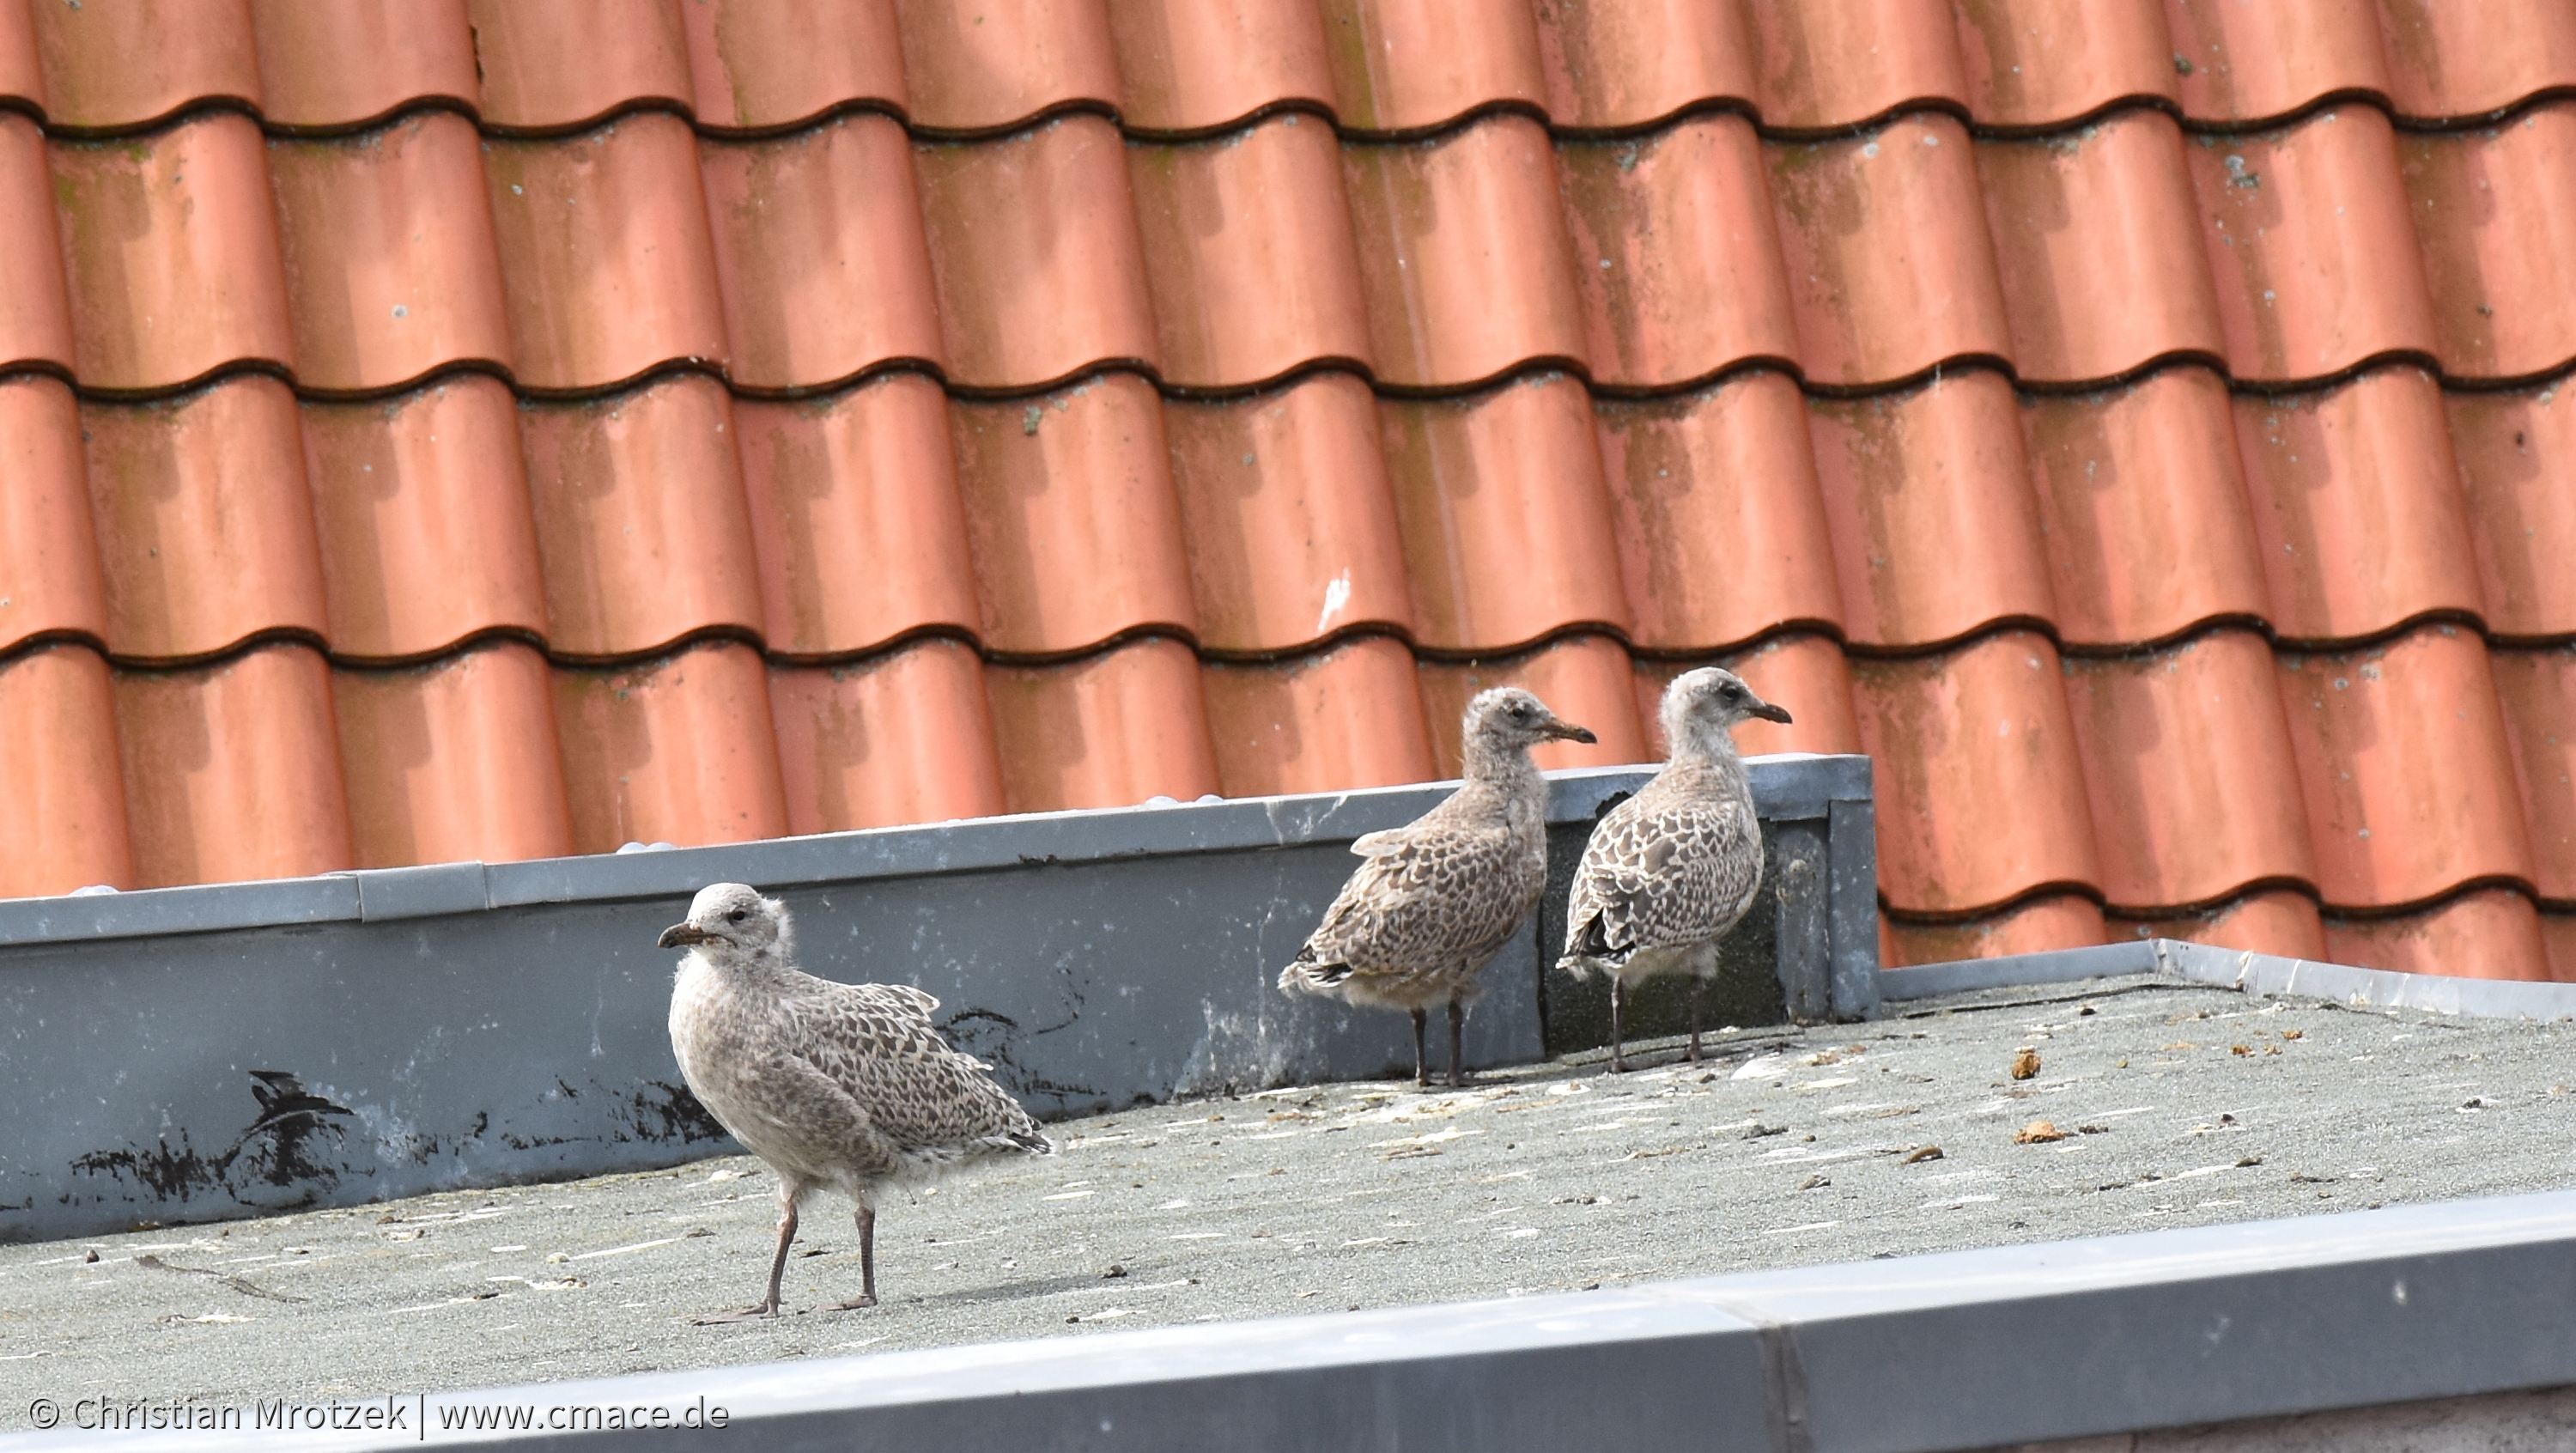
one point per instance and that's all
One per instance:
(2179, 1104)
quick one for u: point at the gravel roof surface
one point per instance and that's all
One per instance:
(2177, 1104)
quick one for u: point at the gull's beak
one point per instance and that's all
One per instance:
(1768, 712)
(1566, 731)
(681, 935)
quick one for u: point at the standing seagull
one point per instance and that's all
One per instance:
(1437, 898)
(839, 1086)
(1671, 869)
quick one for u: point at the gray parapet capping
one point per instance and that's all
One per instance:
(2252, 973)
(190, 1054)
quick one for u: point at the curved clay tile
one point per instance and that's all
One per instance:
(2404, 760)
(124, 65)
(767, 63)
(35, 308)
(1247, 246)
(855, 517)
(453, 761)
(48, 550)
(1675, 253)
(2243, 63)
(2032, 63)
(819, 253)
(2281, 921)
(1800, 670)
(1890, 268)
(1720, 525)
(1069, 505)
(1464, 261)
(2490, 934)
(171, 252)
(1403, 65)
(1929, 499)
(1289, 516)
(2449, 60)
(641, 522)
(677, 750)
(2143, 502)
(204, 524)
(232, 771)
(337, 63)
(2190, 773)
(390, 267)
(22, 72)
(2517, 454)
(605, 256)
(559, 63)
(1834, 63)
(2095, 244)
(901, 738)
(980, 65)
(1192, 65)
(58, 769)
(422, 509)
(1617, 66)
(2307, 237)
(1346, 717)
(2495, 212)
(1585, 679)
(2358, 517)
(1981, 794)
(1508, 532)
(2558, 938)
(2538, 689)
(1106, 731)
(1034, 244)
(2050, 921)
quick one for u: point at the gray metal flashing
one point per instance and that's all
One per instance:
(2250, 972)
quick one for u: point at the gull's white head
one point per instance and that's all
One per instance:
(1702, 706)
(731, 921)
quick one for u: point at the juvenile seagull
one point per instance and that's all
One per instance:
(838, 1086)
(1671, 869)
(1437, 898)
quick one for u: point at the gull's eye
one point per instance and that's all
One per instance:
(1733, 693)
(737, 916)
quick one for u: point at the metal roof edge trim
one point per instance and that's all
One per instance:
(2253, 973)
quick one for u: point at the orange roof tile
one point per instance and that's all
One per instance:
(631, 51)
(679, 750)
(1838, 63)
(902, 737)
(452, 761)
(109, 67)
(1405, 65)
(59, 763)
(1105, 731)
(232, 770)
(1612, 67)
(755, 65)
(2035, 63)
(1348, 716)
(35, 307)
(1195, 67)
(336, 64)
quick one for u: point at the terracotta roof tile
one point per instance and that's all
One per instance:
(2249, 63)
(1109, 730)
(22, 73)
(1584, 679)
(2279, 921)
(421, 505)
(1720, 526)
(983, 65)
(855, 518)
(604, 244)
(2102, 268)
(35, 309)
(1507, 528)
(1801, 671)
(676, 750)
(2050, 921)
(2461, 60)
(2357, 513)
(48, 548)
(1464, 260)
(761, 64)
(1406, 65)
(2538, 691)
(204, 523)
(331, 64)
(389, 260)
(232, 770)
(2403, 756)
(1289, 516)
(2495, 212)
(2490, 934)
(1345, 717)
(631, 51)
(2305, 228)
(819, 252)
(453, 761)
(112, 66)
(1615, 66)
(2032, 63)
(1676, 253)
(2558, 940)
(171, 250)
(2143, 500)
(2193, 783)
(641, 521)
(902, 737)
(58, 765)
(1034, 243)
(1247, 249)
(1197, 66)
(1890, 267)
(1942, 461)
(1835, 63)
(1981, 793)
(2517, 454)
